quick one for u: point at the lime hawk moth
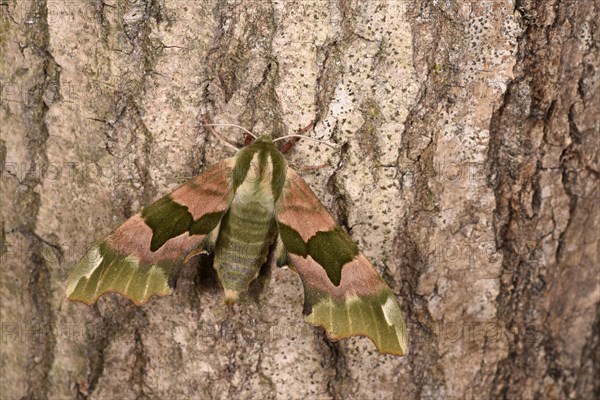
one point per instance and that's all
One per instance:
(241, 209)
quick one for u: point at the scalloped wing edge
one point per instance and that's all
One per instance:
(363, 316)
(102, 271)
(141, 258)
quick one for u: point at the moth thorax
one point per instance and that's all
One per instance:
(257, 185)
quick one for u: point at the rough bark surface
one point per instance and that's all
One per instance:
(468, 174)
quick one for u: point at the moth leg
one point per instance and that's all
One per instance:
(290, 143)
(279, 254)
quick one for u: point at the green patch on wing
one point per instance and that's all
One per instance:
(377, 317)
(292, 240)
(206, 223)
(331, 249)
(102, 270)
(169, 219)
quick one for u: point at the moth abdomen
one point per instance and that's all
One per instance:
(247, 232)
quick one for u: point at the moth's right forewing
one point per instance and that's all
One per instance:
(343, 293)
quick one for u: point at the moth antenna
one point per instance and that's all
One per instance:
(326, 143)
(220, 137)
(235, 126)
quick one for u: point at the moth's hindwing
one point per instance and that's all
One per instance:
(141, 257)
(343, 292)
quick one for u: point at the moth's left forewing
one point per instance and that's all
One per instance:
(141, 257)
(343, 292)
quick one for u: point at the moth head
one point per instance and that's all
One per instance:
(266, 139)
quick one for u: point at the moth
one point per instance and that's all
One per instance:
(241, 209)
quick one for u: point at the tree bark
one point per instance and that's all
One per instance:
(468, 174)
